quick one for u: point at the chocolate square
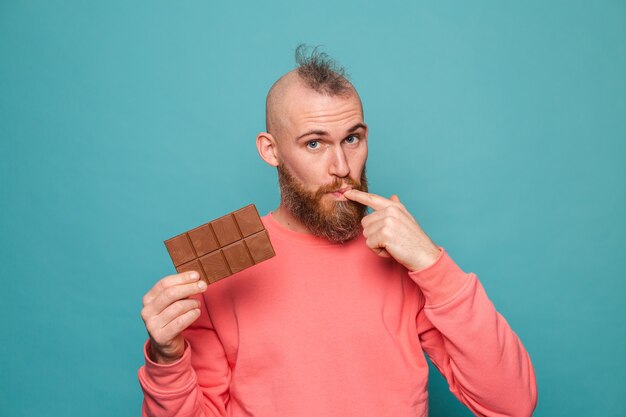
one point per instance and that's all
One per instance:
(248, 220)
(259, 246)
(237, 256)
(180, 249)
(203, 239)
(226, 230)
(215, 266)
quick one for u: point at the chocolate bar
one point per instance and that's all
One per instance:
(223, 246)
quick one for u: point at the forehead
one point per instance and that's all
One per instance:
(307, 109)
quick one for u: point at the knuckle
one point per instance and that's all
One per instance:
(181, 308)
(180, 322)
(159, 337)
(170, 293)
(181, 278)
(177, 308)
(152, 325)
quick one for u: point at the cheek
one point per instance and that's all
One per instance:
(312, 172)
(310, 177)
(315, 179)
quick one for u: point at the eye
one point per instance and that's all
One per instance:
(352, 139)
(313, 144)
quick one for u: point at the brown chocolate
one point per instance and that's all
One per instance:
(223, 246)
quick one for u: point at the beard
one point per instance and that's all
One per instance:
(337, 221)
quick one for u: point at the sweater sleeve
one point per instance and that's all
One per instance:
(194, 386)
(471, 344)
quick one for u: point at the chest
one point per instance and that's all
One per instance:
(310, 301)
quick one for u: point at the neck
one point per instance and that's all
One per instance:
(284, 217)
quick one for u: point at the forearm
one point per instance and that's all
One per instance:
(473, 346)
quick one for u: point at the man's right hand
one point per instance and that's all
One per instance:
(167, 311)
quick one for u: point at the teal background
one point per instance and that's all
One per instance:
(501, 126)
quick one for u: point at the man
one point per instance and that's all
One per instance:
(338, 322)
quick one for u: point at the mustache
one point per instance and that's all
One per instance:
(337, 184)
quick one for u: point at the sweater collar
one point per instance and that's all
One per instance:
(278, 231)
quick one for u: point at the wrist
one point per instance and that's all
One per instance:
(173, 377)
(163, 359)
(426, 259)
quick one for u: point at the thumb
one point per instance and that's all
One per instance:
(394, 198)
(382, 252)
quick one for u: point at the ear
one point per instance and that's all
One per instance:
(266, 145)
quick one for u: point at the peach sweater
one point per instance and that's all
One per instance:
(327, 329)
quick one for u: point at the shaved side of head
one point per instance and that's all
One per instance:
(315, 71)
(275, 102)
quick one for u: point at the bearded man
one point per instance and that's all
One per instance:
(338, 322)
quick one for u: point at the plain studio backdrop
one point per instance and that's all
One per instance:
(501, 126)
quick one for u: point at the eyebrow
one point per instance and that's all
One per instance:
(325, 133)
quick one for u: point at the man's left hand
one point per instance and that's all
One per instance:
(390, 230)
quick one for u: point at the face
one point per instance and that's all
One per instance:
(321, 152)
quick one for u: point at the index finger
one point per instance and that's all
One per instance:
(371, 200)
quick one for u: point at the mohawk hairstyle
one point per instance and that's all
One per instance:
(321, 73)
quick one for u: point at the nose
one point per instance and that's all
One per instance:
(339, 165)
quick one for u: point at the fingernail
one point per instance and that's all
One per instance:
(194, 275)
(202, 285)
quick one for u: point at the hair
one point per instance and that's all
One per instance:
(320, 72)
(317, 71)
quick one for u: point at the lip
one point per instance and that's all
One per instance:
(341, 190)
(339, 193)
